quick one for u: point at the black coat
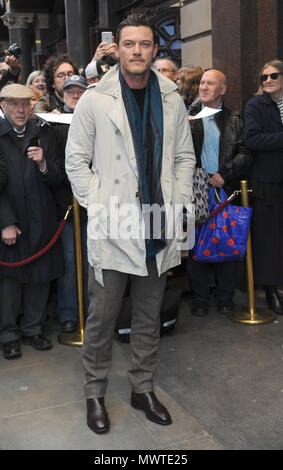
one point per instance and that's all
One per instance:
(264, 137)
(3, 171)
(28, 202)
(234, 158)
(63, 194)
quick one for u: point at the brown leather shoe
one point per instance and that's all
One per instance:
(97, 416)
(153, 409)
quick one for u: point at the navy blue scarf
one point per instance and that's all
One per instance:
(147, 134)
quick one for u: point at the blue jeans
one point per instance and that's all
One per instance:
(67, 300)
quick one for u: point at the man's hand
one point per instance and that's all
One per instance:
(13, 63)
(9, 234)
(217, 181)
(36, 154)
(104, 49)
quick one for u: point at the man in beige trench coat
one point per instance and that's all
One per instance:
(129, 148)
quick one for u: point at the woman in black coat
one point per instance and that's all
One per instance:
(264, 137)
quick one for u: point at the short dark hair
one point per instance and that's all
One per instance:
(52, 64)
(137, 19)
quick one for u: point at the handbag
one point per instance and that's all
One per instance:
(200, 194)
(224, 236)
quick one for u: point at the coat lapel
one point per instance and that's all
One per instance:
(168, 124)
(119, 118)
(110, 85)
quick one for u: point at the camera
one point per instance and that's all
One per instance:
(14, 50)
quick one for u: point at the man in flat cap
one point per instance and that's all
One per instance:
(28, 220)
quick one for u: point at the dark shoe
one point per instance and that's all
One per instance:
(68, 326)
(153, 409)
(38, 342)
(199, 308)
(97, 416)
(224, 306)
(273, 300)
(12, 350)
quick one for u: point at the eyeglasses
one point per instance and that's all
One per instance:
(273, 76)
(63, 74)
(165, 70)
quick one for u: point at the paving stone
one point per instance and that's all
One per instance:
(221, 381)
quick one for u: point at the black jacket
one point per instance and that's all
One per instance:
(63, 193)
(27, 201)
(264, 137)
(3, 171)
(234, 158)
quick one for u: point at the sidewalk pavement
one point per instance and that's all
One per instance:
(222, 382)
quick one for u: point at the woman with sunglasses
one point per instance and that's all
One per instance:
(264, 137)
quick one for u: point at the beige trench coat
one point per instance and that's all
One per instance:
(101, 166)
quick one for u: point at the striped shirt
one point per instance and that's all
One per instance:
(280, 107)
(20, 137)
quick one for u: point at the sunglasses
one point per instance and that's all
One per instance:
(273, 76)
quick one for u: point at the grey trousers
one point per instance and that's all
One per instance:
(29, 299)
(104, 306)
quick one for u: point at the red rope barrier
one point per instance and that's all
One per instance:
(44, 250)
(39, 253)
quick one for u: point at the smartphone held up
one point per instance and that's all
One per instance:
(106, 36)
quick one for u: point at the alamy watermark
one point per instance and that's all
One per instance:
(132, 221)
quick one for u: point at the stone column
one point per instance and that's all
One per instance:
(236, 36)
(235, 48)
(19, 25)
(196, 32)
(41, 35)
(79, 17)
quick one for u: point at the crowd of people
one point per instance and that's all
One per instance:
(133, 136)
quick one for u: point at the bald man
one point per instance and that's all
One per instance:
(219, 149)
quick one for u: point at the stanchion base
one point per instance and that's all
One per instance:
(71, 339)
(262, 315)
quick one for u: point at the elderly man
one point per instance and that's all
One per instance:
(219, 148)
(67, 306)
(132, 129)
(28, 220)
(167, 67)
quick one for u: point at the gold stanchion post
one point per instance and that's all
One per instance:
(252, 316)
(76, 338)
